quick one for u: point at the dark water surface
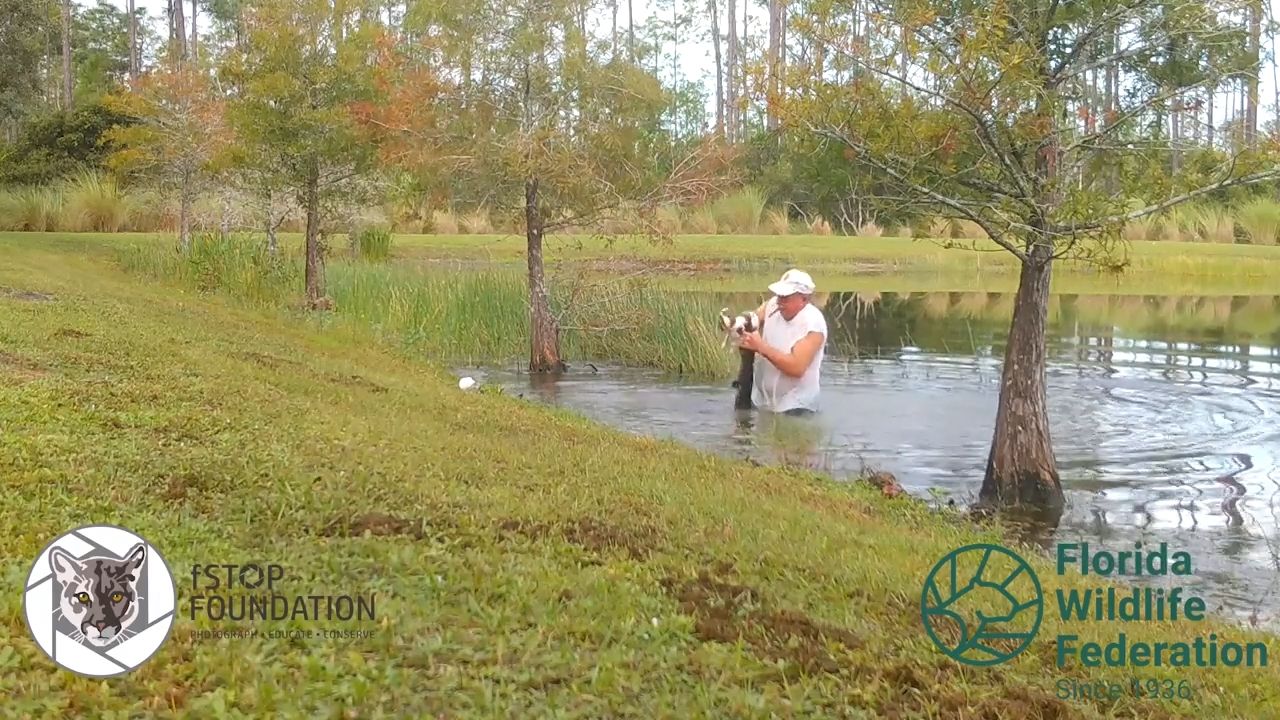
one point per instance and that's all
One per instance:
(1163, 411)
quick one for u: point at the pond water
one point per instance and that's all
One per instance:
(1163, 412)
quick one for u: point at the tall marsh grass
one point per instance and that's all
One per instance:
(484, 317)
(459, 316)
(237, 265)
(373, 244)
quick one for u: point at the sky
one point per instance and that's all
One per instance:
(697, 60)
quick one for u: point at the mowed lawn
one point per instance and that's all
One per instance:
(884, 264)
(527, 563)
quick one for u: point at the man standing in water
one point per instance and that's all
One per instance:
(791, 342)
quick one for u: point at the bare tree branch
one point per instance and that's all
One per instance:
(1151, 209)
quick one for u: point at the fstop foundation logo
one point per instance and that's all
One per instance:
(100, 601)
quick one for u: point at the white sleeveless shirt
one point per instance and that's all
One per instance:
(772, 389)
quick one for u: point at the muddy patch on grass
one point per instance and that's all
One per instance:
(266, 359)
(8, 293)
(620, 266)
(1013, 702)
(175, 489)
(19, 367)
(358, 381)
(637, 542)
(730, 613)
(378, 525)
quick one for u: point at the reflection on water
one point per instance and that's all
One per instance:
(1163, 413)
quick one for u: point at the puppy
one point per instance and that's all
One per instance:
(734, 327)
(733, 330)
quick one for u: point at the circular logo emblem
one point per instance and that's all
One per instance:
(100, 601)
(982, 605)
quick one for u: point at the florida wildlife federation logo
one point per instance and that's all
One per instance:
(100, 601)
(982, 605)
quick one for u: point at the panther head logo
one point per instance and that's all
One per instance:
(98, 595)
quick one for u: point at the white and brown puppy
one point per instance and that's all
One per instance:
(734, 327)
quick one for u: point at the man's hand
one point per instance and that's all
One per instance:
(752, 341)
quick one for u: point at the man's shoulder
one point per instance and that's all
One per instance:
(815, 319)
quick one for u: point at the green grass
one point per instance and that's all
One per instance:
(849, 253)
(537, 564)
(839, 255)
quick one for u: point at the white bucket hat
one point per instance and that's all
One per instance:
(793, 281)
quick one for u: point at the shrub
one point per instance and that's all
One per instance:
(1214, 224)
(373, 243)
(94, 203)
(1141, 229)
(34, 209)
(740, 212)
(1260, 220)
(444, 222)
(667, 220)
(776, 222)
(477, 222)
(702, 221)
(969, 230)
(870, 230)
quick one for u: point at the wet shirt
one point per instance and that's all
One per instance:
(772, 389)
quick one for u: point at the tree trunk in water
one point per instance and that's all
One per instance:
(133, 43)
(544, 336)
(715, 44)
(1021, 469)
(315, 253)
(1022, 473)
(67, 87)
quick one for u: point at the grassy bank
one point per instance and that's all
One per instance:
(527, 562)
(886, 264)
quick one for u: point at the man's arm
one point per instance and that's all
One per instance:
(792, 364)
